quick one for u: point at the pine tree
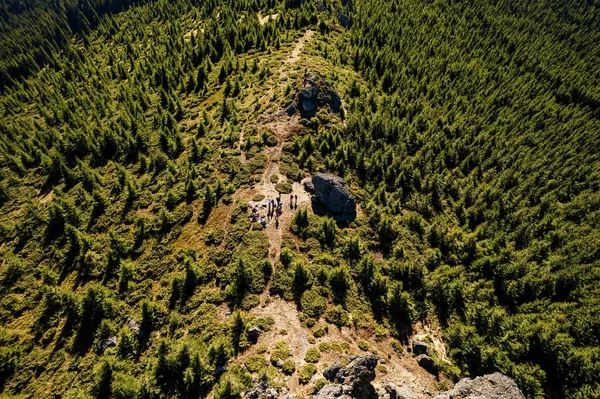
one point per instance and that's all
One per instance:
(103, 388)
(201, 78)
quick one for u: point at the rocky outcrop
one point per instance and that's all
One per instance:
(134, 326)
(220, 369)
(104, 344)
(314, 94)
(426, 362)
(331, 372)
(420, 348)
(392, 391)
(330, 391)
(334, 197)
(253, 333)
(352, 381)
(309, 186)
(349, 4)
(360, 370)
(262, 390)
(344, 20)
(491, 386)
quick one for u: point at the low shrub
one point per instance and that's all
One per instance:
(320, 383)
(312, 355)
(324, 347)
(281, 352)
(288, 367)
(283, 187)
(255, 363)
(306, 373)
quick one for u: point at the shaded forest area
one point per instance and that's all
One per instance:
(34, 33)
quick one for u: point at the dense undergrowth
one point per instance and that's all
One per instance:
(471, 139)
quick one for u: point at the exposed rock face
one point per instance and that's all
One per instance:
(349, 4)
(333, 195)
(491, 386)
(134, 326)
(360, 370)
(330, 391)
(344, 20)
(425, 361)
(315, 93)
(104, 344)
(309, 186)
(420, 348)
(393, 391)
(353, 381)
(331, 372)
(220, 369)
(253, 333)
(262, 390)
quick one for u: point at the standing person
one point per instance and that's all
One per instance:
(292, 201)
(296, 206)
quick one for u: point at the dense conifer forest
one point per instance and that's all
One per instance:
(132, 137)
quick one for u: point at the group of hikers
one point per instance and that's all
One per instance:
(274, 210)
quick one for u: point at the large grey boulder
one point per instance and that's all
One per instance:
(104, 344)
(389, 390)
(344, 20)
(349, 4)
(316, 92)
(426, 362)
(134, 326)
(253, 333)
(334, 391)
(330, 391)
(354, 380)
(309, 186)
(360, 370)
(333, 195)
(332, 371)
(490, 386)
(262, 390)
(420, 348)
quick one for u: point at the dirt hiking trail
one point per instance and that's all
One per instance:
(281, 126)
(401, 369)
